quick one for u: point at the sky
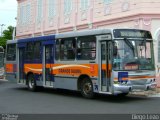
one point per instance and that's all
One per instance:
(8, 12)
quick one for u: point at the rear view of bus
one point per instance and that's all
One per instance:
(133, 60)
(11, 61)
(1, 62)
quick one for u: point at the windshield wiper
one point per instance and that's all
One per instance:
(129, 44)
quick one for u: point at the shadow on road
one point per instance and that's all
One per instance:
(74, 94)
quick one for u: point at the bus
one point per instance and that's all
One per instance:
(1, 62)
(104, 61)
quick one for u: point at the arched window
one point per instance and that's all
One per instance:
(107, 1)
(68, 6)
(84, 4)
(52, 8)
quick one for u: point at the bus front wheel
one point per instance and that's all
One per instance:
(87, 88)
(31, 83)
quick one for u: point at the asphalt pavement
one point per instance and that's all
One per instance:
(18, 99)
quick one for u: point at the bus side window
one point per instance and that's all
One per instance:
(37, 51)
(86, 48)
(57, 50)
(29, 51)
(67, 49)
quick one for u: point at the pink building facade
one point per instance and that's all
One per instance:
(44, 17)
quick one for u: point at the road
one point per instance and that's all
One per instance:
(18, 100)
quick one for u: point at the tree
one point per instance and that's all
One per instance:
(7, 35)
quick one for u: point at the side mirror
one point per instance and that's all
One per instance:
(115, 49)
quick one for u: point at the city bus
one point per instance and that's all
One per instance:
(103, 61)
(1, 62)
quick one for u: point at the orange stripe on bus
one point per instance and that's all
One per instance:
(67, 69)
(35, 68)
(75, 69)
(135, 78)
(9, 68)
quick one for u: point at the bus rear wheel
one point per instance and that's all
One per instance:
(31, 83)
(87, 88)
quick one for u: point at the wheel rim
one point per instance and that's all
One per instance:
(31, 83)
(87, 88)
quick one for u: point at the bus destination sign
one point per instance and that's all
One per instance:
(130, 33)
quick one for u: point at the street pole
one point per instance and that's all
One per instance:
(2, 28)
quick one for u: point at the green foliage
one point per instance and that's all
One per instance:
(3, 42)
(7, 35)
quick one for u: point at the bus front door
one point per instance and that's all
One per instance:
(105, 66)
(48, 61)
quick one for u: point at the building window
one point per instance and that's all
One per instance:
(67, 7)
(39, 10)
(25, 13)
(68, 49)
(84, 4)
(22, 14)
(86, 48)
(107, 1)
(52, 8)
(28, 13)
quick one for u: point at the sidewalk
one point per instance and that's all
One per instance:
(155, 93)
(3, 80)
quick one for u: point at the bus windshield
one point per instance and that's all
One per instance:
(133, 54)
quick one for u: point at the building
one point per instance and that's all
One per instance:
(43, 17)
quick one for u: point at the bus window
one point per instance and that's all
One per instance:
(11, 52)
(29, 51)
(57, 50)
(37, 51)
(68, 47)
(86, 48)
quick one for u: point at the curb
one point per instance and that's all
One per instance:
(158, 89)
(147, 93)
(3, 80)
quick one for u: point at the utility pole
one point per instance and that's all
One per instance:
(2, 28)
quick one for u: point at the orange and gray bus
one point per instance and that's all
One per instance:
(104, 61)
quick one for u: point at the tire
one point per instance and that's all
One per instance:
(31, 83)
(123, 94)
(87, 88)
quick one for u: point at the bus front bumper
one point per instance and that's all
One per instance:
(119, 88)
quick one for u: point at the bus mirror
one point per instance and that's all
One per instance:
(115, 50)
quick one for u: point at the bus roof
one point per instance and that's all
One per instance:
(11, 41)
(39, 38)
(83, 33)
